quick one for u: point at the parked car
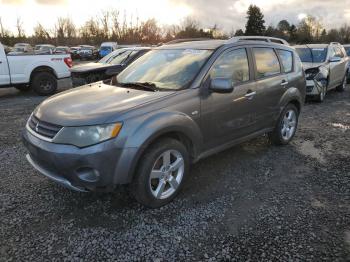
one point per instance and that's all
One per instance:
(23, 47)
(347, 49)
(107, 48)
(44, 49)
(328, 64)
(74, 52)
(42, 73)
(173, 106)
(62, 50)
(107, 67)
(88, 52)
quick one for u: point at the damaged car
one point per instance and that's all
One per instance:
(109, 66)
(326, 68)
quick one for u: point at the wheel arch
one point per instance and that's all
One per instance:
(42, 69)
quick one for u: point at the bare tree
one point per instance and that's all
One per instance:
(19, 27)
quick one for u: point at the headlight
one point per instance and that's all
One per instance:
(87, 135)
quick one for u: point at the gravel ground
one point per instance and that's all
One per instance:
(254, 202)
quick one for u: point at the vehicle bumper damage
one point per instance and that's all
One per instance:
(95, 168)
(316, 80)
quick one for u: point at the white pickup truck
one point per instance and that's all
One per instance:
(42, 73)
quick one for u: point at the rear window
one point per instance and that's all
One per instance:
(312, 55)
(267, 63)
(287, 60)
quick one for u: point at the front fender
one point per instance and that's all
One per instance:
(153, 127)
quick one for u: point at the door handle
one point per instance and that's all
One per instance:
(284, 83)
(250, 95)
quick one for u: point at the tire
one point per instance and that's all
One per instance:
(341, 87)
(289, 117)
(321, 96)
(44, 83)
(23, 88)
(165, 184)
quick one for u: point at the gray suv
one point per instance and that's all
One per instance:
(326, 68)
(175, 105)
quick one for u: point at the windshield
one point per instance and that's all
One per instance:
(312, 55)
(167, 69)
(116, 56)
(347, 49)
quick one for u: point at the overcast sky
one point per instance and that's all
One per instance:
(228, 14)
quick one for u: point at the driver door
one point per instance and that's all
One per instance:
(228, 116)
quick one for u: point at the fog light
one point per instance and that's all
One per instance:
(88, 174)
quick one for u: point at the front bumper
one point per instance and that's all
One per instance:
(96, 168)
(311, 88)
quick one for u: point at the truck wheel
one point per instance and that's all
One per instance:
(286, 126)
(161, 173)
(23, 88)
(341, 87)
(44, 83)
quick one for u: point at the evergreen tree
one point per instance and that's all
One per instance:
(255, 24)
(239, 32)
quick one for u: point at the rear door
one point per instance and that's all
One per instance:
(4, 69)
(271, 84)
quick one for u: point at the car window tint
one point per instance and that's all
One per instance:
(267, 63)
(232, 65)
(287, 60)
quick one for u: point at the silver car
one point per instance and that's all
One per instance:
(326, 68)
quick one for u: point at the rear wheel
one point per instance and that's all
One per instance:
(342, 87)
(160, 173)
(44, 83)
(286, 126)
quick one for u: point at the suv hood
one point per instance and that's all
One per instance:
(91, 67)
(93, 104)
(312, 65)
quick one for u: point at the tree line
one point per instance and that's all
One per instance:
(113, 26)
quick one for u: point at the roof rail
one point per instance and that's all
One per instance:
(258, 38)
(181, 40)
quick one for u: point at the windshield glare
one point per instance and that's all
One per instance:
(312, 55)
(167, 69)
(116, 56)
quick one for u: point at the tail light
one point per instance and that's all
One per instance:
(68, 61)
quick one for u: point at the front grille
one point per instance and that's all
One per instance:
(43, 128)
(309, 89)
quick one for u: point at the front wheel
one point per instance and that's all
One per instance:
(160, 173)
(286, 126)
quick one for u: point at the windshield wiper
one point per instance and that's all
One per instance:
(141, 85)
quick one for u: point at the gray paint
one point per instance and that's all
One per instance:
(210, 121)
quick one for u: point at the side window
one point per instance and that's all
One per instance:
(339, 53)
(287, 60)
(267, 63)
(232, 65)
(332, 52)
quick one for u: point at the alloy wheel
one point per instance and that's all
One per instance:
(289, 125)
(167, 173)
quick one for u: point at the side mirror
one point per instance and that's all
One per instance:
(221, 85)
(334, 59)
